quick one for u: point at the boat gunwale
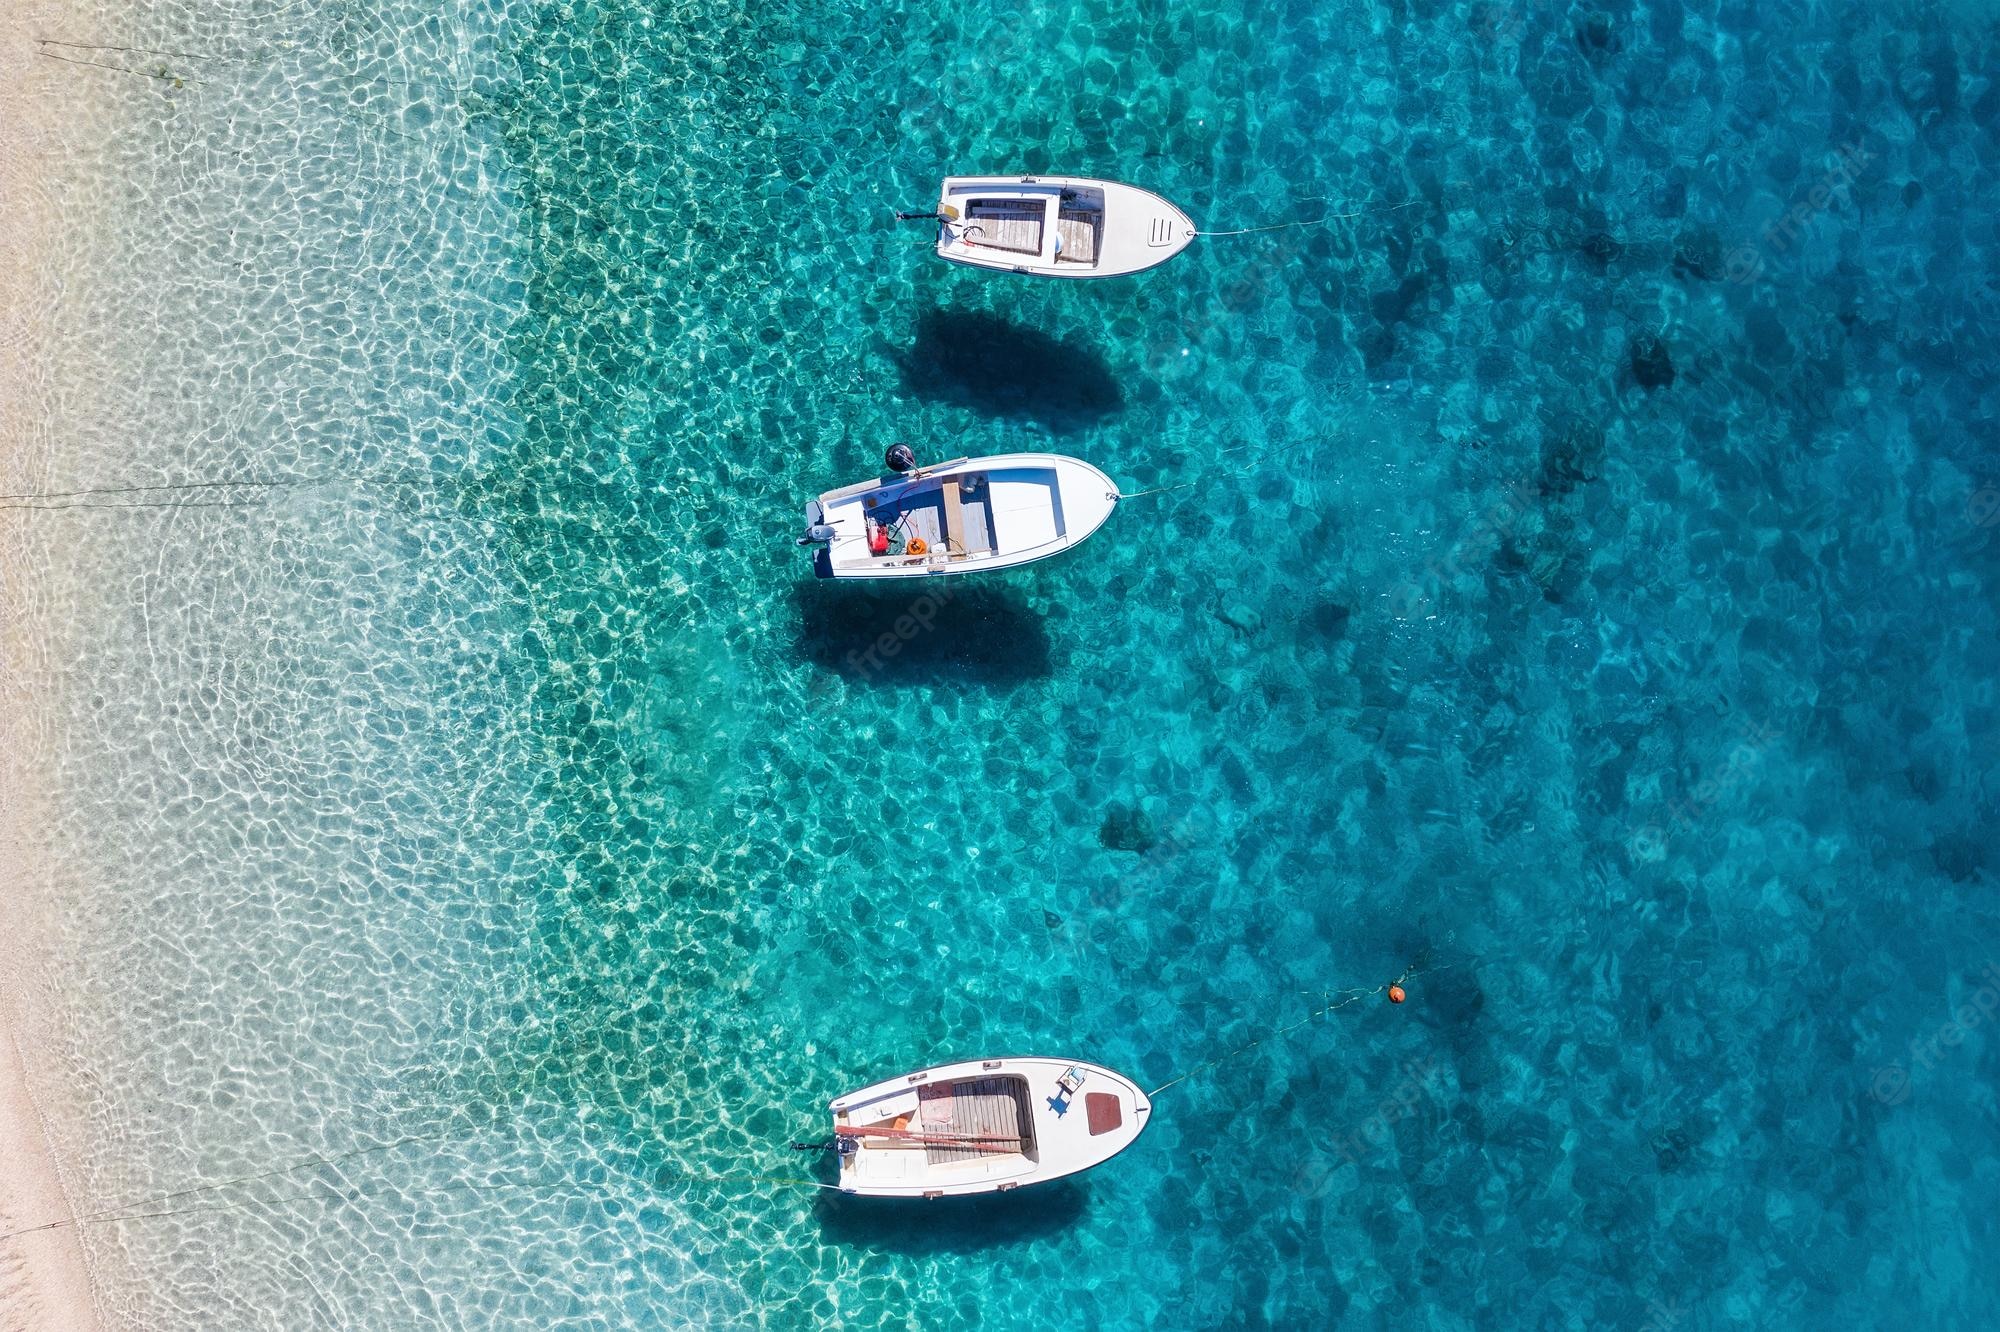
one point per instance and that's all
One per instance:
(1039, 1169)
(1051, 186)
(1059, 465)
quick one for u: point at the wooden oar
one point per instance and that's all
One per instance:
(972, 1140)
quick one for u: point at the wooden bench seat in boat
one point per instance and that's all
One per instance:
(989, 1108)
(968, 519)
(1078, 233)
(954, 520)
(1004, 225)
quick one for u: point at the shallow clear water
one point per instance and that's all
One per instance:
(1654, 717)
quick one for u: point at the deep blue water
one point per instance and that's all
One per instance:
(1588, 596)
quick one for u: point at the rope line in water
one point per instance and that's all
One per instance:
(162, 74)
(242, 483)
(149, 1209)
(1312, 222)
(137, 490)
(135, 504)
(128, 50)
(1156, 490)
(133, 1212)
(87, 497)
(310, 1163)
(1252, 470)
(1345, 998)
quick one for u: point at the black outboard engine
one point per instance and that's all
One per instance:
(901, 458)
(819, 532)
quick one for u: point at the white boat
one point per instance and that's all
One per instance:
(1057, 226)
(962, 516)
(984, 1126)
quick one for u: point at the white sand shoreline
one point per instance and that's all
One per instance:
(45, 1279)
(252, 275)
(45, 1275)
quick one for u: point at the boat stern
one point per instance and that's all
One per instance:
(820, 537)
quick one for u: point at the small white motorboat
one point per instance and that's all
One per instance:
(984, 1126)
(1057, 226)
(962, 516)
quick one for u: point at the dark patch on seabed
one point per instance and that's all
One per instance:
(1001, 367)
(956, 1226)
(930, 631)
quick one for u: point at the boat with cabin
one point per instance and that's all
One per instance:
(963, 516)
(1056, 226)
(984, 1126)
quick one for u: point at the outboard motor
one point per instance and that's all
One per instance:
(818, 531)
(901, 458)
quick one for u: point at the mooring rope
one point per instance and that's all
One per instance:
(138, 490)
(1345, 998)
(352, 1194)
(127, 50)
(91, 497)
(1156, 490)
(1260, 465)
(133, 504)
(147, 1209)
(163, 74)
(154, 1208)
(1311, 222)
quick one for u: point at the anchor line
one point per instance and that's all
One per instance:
(156, 1207)
(1156, 490)
(147, 1209)
(1344, 998)
(1311, 222)
(1225, 476)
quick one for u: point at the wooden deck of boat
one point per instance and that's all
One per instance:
(986, 1108)
(1004, 224)
(968, 520)
(1078, 230)
(948, 518)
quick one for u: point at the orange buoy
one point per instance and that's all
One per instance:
(1396, 995)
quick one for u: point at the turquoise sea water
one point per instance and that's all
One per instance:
(1661, 714)
(1587, 598)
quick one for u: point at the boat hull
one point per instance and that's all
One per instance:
(1058, 226)
(900, 1147)
(972, 515)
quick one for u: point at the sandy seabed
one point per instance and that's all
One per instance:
(45, 1276)
(193, 202)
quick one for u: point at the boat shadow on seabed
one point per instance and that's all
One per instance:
(925, 631)
(994, 366)
(952, 1225)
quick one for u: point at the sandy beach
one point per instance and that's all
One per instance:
(45, 1279)
(226, 274)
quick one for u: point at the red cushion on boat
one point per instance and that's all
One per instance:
(1104, 1111)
